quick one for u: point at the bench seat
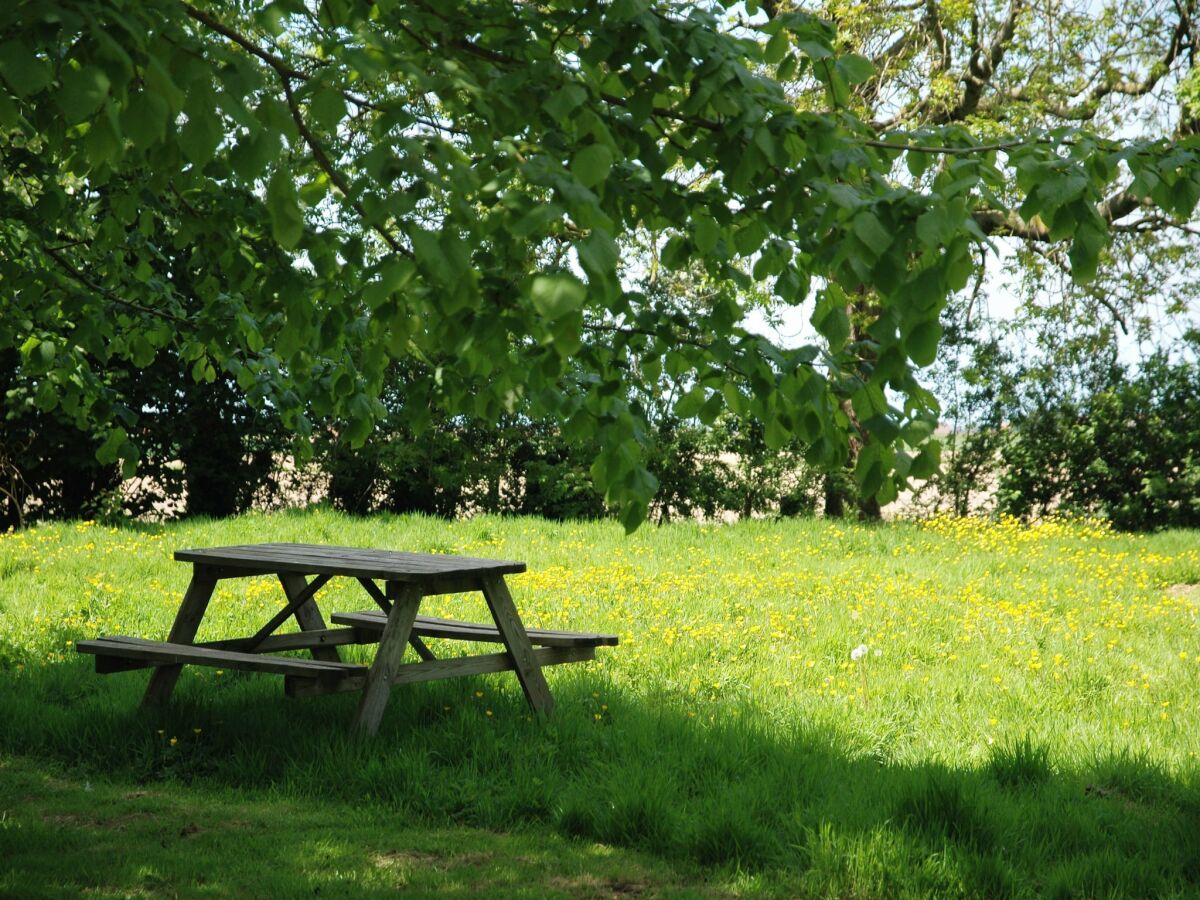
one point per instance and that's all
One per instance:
(431, 626)
(113, 654)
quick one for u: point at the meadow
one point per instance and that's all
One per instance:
(1023, 721)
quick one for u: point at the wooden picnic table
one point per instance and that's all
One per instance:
(303, 569)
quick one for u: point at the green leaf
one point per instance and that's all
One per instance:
(776, 47)
(427, 247)
(855, 68)
(160, 82)
(201, 135)
(597, 252)
(109, 449)
(82, 92)
(922, 343)
(563, 103)
(926, 462)
(592, 164)
(144, 119)
(556, 295)
(830, 317)
(749, 237)
(705, 232)
(129, 455)
(814, 50)
(327, 108)
(633, 514)
(882, 427)
(25, 72)
(1085, 253)
(934, 227)
(871, 232)
(9, 114)
(839, 89)
(283, 205)
(917, 162)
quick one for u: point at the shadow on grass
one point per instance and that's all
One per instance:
(740, 795)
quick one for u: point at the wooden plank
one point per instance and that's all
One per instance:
(387, 565)
(168, 654)
(411, 673)
(376, 594)
(421, 647)
(544, 637)
(299, 640)
(516, 641)
(308, 615)
(451, 629)
(290, 608)
(183, 631)
(405, 600)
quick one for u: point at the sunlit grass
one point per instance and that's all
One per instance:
(1024, 719)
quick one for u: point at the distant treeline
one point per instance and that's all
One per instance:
(1125, 447)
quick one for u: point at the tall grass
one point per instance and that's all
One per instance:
(1024, 722)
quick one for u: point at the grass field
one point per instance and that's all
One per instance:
(1025, 721)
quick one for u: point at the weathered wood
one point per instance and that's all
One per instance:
(376, 594)
(299, 640)
(420, 646)
(289, 609)
(405, 600)
(167, 654)
(451, 629)
(516, 641)
(308, 615)
(412, 673)
(183, 631)
(385, 565)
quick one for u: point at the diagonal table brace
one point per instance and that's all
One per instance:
(280, 617)
(308, 615)
(385, 604)
(376, 594)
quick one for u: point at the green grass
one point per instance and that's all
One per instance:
(1028, 726)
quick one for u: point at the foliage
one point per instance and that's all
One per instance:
(1129, 451)
(48, 467)
(1124, 68)
(294, 198)
(1066, 426)
(420, 459)
(201, 442)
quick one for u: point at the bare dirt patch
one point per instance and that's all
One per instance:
(116, 823)
(1188, 592)
(591, 886)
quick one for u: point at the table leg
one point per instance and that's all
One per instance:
(516, 641)
(405, 599)
(187, 623)
(307, 616)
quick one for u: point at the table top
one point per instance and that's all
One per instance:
(357, 562)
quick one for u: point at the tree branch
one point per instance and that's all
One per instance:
(1054, 257)
(67, 266)
(287, 74)
(982, 66)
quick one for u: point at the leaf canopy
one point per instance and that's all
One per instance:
(299, 198)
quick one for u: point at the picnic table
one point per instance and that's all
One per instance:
(303, 569)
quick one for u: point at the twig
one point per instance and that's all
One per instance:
(109, 295)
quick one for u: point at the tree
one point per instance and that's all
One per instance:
(344, 184)
(1116, 67)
